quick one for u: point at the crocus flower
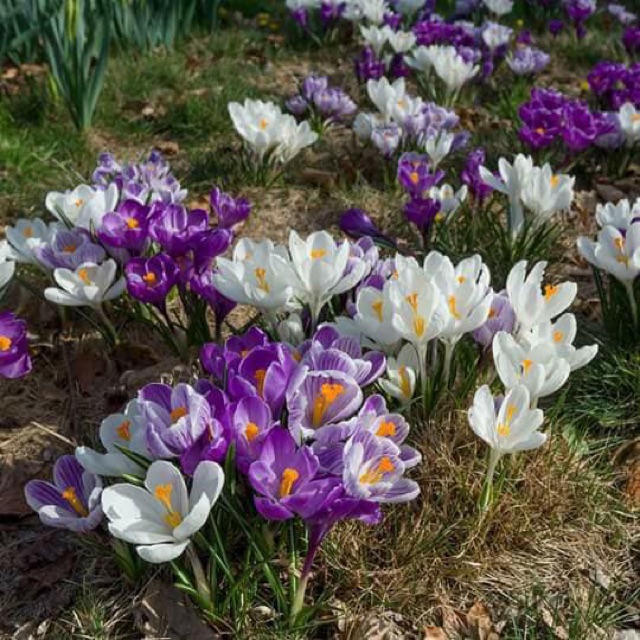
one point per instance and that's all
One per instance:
(499, 7)
(545, 192)
(386, 138)
(402, 374)
(555, 26)
(7, 269)
(119, 430)
(230, 211)
(452, 69)
(528, 61)
(376, 37)
(369, 66)
(175, 227)
(501, 318)
(89, 285)
(471, 174)
(629, 118)
(71, 502)
(84, 206)
(150, 279)
(284, 477)
(15, 361)
(631, 40)
(251, 422)
(161, 517)
(422, 212)
(126, 227)
(415, 176)
(68, 248)
(357, 224)
(27, 234)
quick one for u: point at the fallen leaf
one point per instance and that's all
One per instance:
(479, 622)
(168, 147)
(324, 179)
(434, 633)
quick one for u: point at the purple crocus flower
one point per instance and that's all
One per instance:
(176, 418)
(284, 477)
(528, 61)
(580, 10)
(250, 421)
(414, 174)
(229, 211)
(369, 66)
(393, 20)
(126, 227)
(631, 40)
(555, 26)
(579, 128)
(301, 17)
(175, 227)
(331, 11)
(297, 105)
(471, 174)
(69, 248)
(15, 361)
(357, 224)
(398, 68)
(72, 501)
(150, 279)
(373, 470)
(333, 104)
(386, 138)
(202, 285)
(311, 85)
(501, 318)
(422, 212)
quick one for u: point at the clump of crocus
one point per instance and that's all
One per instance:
(15, 360)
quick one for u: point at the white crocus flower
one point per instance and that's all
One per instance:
(373, 320)
(402, 374)
(495, 35)
(438, 147)
(499, 7)
(291, 330)
(126, 430)
(545, 193)
(538, 367)
(512, 179)
(84, 206)
(451, 68)
(365, 123)
(7, 269)
(387, 96)
(373, 11)
(560, 335)
(629, 118)
(421, 58)
(619, 215)
(258, 274)
(25, 235)
(161, 517)
(450, 200)
(409, 7)
(530, 303)
(401, 41)
(89, 285)
(513, 427)
(320, 265)
(376, 37)
(294, 137)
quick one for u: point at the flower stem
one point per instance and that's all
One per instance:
(298, 599)
(202, 584)
(486, 497)
(449, 348)
(111, 330)
(632, 302)
(422, 357)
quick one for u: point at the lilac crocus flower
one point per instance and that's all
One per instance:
(471, 174)
(229, 211)
(621, 14)
(297, 105)
(175, 227)
(126, 227)
(312, 84)
(333, 104)
(68, 249)
(328, 350)
(357, 224)
(386, 138)
(373, 470)
(15, 361)
(72, 501)
(414, 174)
(150, 279)
(501, 318)
(284, 477)
(176, 418)
(250, 421)
(528, 61)
(216, 360)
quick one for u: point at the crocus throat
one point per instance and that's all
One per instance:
(377, 307)
(451, 301)
(263, 124)
(261, 277)
(558, 336)
(70, 495)
(124, 430)
(492, 313)
(259, 375)
(5, 343)
(526, 365)
(555, 181)
(504, 428)
(288, 479)
(79, 202)
(177, 413)
(83, 274)
(327, 396)
(251, 431)
(150, 278)
(419, 326)
(132, 223)
(405, 382)
(550, 290)
(27, 232)
(461, 279)
(412, 299)
(316, 254)
(414, 177)
(162, 493)
(386, 429)
(69, 248)
(375, 474)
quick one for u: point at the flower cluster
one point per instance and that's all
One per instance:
(527, 61)
(615, 84)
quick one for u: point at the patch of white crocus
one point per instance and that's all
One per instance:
(629, 118)
(272, 136)
(499, 7)
(89, 285)
(161, 518)
(537, 189)
(379, 37)
(617, 248)
(370, 11)
(26, 235)
(274, 279)
(83, 207)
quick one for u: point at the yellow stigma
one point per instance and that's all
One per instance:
(526, 365)
(162, 492)
(419, 325)
(558, 336)
(402, 103)
(461, 279)
(386, 429)
(619, 243)
(261, 277)
(373, 476)
(27, 232)
(124, 430)
(177, 413)
(492, 313)
(451, 301)
(132, 223)
(288, 479)
(83, 274)
(550, 290)
(405, 382)
(414, 177)
(251, 431)
(259, 375)
(150, 278)
(70, 495)
(263, 124)
(5, 343)
(377, 307)
(540, 131)
(318, 253)
(328, 394)
(69, 248)
(412, 299)
(554, 180)
(504, 429)
(79, 202)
